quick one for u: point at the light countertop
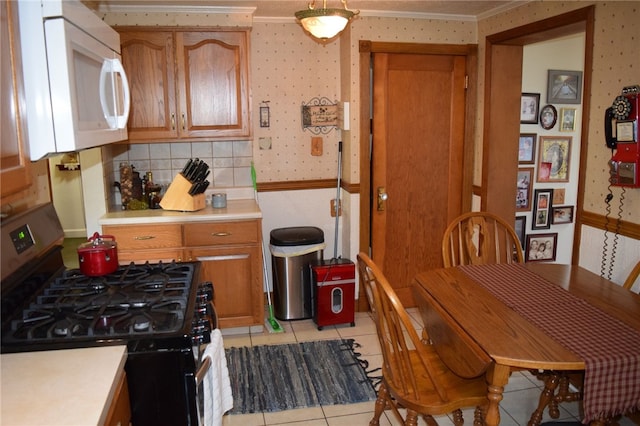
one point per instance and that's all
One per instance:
(62, 387)
(235, 210)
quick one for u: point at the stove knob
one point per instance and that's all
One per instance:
(205, 291)
(201, 310)
(200, 338)
(202, 298)
(200, 326)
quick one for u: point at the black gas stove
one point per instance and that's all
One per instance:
(160, 311)
(136, 301)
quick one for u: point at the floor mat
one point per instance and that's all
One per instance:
(308, 374)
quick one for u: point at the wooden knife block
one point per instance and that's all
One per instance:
(177, 197)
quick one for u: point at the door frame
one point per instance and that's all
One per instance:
(497, 139)
(366, 49)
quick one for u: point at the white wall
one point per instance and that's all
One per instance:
(311, 208)
(611, 256)
(566, 53)
(94, 188)
(66, 190)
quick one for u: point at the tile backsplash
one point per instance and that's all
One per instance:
(230, 161)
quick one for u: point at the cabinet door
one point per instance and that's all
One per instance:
(236, 275)
(148, 58)
(214, 93)
(119, 413)
(14, 161)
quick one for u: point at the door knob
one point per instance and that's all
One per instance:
(382, 198)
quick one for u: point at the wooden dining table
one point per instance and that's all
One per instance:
(539, 316)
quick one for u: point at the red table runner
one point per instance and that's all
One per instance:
(609, 347)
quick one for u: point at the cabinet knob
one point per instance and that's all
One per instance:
(183, 122)
(144, 237)
(173, 121)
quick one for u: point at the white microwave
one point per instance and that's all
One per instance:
(76, 91)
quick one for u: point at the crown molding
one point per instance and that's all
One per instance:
(376, 14)
(416, 15)
(501, 9)
(221, 10)
(224, 10)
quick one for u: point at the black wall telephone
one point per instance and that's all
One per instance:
(624, 114)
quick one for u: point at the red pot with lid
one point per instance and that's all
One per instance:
(98, 256)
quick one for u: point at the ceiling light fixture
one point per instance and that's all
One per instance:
(324, 23)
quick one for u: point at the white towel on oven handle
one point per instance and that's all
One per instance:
(218, 398)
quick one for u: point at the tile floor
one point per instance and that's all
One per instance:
(520, 397)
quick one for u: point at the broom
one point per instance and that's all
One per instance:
(271, 322)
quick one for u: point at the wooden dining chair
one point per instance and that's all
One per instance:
(633, 276)
(478, 238)
(413, 375)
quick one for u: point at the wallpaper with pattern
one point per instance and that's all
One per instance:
(289, 68)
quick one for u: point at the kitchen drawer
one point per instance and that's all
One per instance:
(140, 237)
(150, 255)
(221, 233)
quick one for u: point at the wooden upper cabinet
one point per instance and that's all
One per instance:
(148, 59)
(187, 84)
(14, 159)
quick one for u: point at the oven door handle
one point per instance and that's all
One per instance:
(203, 370)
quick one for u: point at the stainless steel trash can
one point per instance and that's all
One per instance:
(293, 250)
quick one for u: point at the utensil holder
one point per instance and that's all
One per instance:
(177, 197)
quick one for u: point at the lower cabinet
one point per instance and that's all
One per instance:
(119, 413)
(230, 253)
(236, 274)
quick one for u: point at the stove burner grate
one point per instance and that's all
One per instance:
(135, 300)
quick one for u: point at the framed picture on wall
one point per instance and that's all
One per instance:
(561, 214)
(529, 107)
(520, 228)
(540, 247)
(553, 158)
(567, 119)
(541, 218)
(564, 87)
(523, 189)
(548, 117)
(527, 148)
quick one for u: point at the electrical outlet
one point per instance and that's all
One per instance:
(316, 146)
(333, 208)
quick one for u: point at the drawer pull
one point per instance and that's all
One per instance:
(144, 237)
(221, 234)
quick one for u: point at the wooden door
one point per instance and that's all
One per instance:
(148, 58)
(417, 160)
(214, 91)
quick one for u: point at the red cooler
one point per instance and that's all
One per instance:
(334, 283)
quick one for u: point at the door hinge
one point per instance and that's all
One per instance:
(466, 81)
